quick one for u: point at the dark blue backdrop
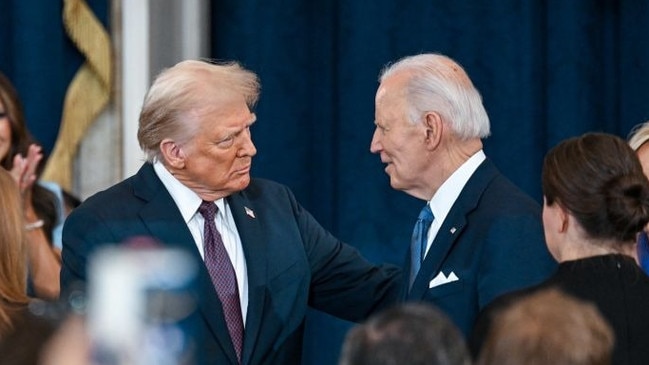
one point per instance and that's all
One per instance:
(547, 70)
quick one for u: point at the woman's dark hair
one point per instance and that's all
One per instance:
(43, 200)
(20, 137)
(598, 178)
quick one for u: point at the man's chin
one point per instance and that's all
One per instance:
(238, 184)
(244, 181)
(394, 183)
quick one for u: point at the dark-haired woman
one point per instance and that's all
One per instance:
(596, 200)
(21, 157)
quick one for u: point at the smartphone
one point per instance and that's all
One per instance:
(142, 306)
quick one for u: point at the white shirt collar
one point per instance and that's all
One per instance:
(447, 194)
(185, 198)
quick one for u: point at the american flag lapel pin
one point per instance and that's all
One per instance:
(249, 212)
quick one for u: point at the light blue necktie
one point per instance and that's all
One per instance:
(419, 241)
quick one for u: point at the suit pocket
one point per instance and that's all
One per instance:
(288, 276)
(445, 289)
(286, 299)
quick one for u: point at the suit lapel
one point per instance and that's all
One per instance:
(160, 214)
(452, 228)
(255, 250)
(163, 219)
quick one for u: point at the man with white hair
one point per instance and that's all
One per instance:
(478, 236)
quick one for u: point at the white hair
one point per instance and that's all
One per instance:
(437, 83)
(639, 135)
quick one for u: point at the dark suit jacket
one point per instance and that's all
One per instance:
(492, 240)
(291, 260)
(614, 283)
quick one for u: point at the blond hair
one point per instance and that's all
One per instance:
(13, 255)
(548, 327)
(639, 135)
(187, 87)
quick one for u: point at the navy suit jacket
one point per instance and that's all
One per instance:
(492, 240)
(292, 263)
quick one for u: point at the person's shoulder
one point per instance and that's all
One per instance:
(109, 198)
(504, 185)
(110, 192)
(502, 192)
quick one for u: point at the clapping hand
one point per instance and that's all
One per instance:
(24, 171)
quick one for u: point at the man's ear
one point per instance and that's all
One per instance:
(172, 153)
(434, 128)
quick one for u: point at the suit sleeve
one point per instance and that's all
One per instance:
(343, 283)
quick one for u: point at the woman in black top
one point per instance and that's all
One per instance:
(596, 200)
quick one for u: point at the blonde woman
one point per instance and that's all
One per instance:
(638, 141)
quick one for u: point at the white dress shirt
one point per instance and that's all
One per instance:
(188, 202)
(447, 194)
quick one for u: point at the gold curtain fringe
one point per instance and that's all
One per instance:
(88, 93)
